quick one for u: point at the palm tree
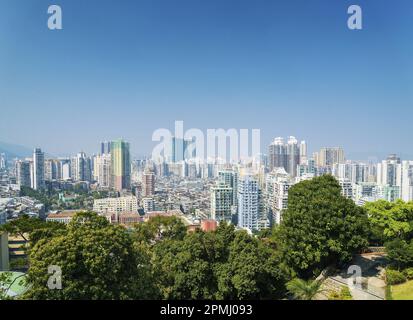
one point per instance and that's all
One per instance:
(304, 289)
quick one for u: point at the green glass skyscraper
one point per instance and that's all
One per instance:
(120, 165)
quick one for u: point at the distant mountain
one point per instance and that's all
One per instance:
(15, 151)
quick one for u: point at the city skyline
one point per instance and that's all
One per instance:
(287, 68)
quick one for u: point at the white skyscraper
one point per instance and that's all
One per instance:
(407, 180)
(303, 153)
(102, 170)
(23, 173)
(221, 202)
(389, 172)
(38, 170)
(278, 183)
(2, 161)
(248, 201)
(293, 156)
(81, 167)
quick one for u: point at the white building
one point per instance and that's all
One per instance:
(116, 205)
(346, 188)
(407, 180)
(221, 202)
(278, 183)
(38, 181)
(248, 201)
(148, 204)
(102, 170)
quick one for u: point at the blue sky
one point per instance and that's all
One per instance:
(126, 68)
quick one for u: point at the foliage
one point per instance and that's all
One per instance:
(394, 277)
(5, 282)
(400, 253)
(344, 294)
(98, 261)
(159, 228)
(224, 264)
(390, 220)
(42, 196)
(19, 264)
(304, 289)
(22, 226)
(408, 273)
(320, 227)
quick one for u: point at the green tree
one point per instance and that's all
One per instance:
(252, 271)
(22, 226)
(320, 227)
(97, 260)
(304, 289)
(159, 228)
(225, 264)
(184, 268)
(400, 253)
(5, 282)
(390, 220)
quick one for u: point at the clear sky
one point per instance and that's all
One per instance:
(126, 68)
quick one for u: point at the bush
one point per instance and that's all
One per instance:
(408, 273)
(394, 277)
(344, 294)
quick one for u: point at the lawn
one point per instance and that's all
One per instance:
(402, 291)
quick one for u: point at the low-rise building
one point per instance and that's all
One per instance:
(62, 216)
(116, 205)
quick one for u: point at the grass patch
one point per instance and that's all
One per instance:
(402, 291)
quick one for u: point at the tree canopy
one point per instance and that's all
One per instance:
(390, 220)
(320, 227)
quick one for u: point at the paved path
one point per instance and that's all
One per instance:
(372, 286)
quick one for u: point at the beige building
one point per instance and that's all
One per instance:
(62, 217)
(116, 205)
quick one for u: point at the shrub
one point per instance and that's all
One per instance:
(394, 277)
(344, 294)
(408, 273)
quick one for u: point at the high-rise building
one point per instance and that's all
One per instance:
(23, 173)
(287, 155)
(277, 154)
(230, 178)
(105, 147)
(407, 180)
(181, 149)
(66, 169)
(248, 201)
(303, 153)
(120, 165)
(102, 171)
(389, 172)
(148, 183)
(278, 183)
(2, 161)
(293, 156)
(81, 167)
(329, 156)
(52, 170)
(38, 181)
(221, 202)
